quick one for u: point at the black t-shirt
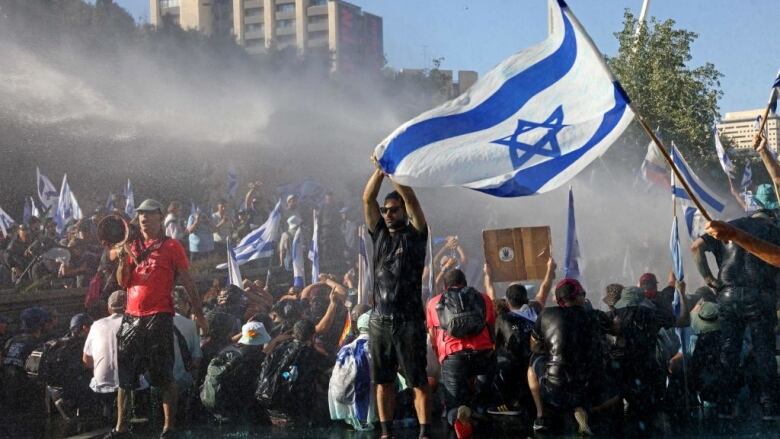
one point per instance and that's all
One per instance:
(568, 335)
(636, 329)
(739, 268)
(399, 260)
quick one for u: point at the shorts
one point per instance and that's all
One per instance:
(559, 396)
(145, 345)
(397, 343)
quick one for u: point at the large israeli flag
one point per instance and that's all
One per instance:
(259, 243)
(47, 193)
(528, 126)
(707, 196)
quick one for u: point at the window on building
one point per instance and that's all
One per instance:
(314, 19)
(255, 27)
(286, 7)
(317, 2)
(285, 39)
(253, 12)
(285, 24)
(169, 3)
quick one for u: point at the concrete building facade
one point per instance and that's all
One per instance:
(740, 127)
(351, 37)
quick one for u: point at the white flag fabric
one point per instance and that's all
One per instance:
(64, 212)
(314, 252)
(365, 275)
(35, 210)
(234, 272)
(129, 200)
(707, 196)
(5, 222)
(528, 126)
(725, 161)
(47, 193)
(297, 260)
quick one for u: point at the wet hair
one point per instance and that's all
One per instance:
(454, 278)
(303, 331)
(173, 206)
(500, 307)
(516, 295)
(394, 195)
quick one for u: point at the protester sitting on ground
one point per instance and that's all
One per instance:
(18, 390)
(227, 391)
(284, 314)
(293, 381)
(562, 343)
(460, 323)
(350, 394)
(705, 374)
(100, 351)
(62, 369)
(231, 301)
(221, 329)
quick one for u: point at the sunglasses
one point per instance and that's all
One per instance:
(386, 210)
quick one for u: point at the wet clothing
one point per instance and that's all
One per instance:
(396, 342)
(145, 344)
(705, 374)
(457, 372)
(513, 355)
(446, 344)
(568, 340)
(399, 260)
(747, 300)
(18, 390)
(151, 280)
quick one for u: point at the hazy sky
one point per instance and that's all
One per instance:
(478, 34)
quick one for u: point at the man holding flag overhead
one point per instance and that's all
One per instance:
(397, 327)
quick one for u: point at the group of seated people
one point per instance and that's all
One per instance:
(301, 356)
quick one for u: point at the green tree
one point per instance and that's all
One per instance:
(680, 100)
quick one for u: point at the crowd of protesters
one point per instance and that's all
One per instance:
(541, 356)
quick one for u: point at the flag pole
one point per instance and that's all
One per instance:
(669, 160)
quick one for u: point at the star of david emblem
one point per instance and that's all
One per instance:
(547, 145)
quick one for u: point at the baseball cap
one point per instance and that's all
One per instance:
(648, 278)
(254, 334)
(80, 320)
(117, 301)
(149, 205)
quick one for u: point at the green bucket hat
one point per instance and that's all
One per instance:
(705, 319)
(765, 196)
(630, 296)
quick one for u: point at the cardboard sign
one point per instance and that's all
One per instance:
(517, 254)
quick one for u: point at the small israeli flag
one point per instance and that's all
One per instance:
(5, 222)
(703, 193)
(527, 127)
(259, 243)
(47, 193)
(129, 200)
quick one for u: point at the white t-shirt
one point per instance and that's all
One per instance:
(189, 331)
(101, 346)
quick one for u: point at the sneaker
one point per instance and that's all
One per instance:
(463, 427)
(113, 434)
(541, 424)
(768, 412)
(581, 416)
(504, 410)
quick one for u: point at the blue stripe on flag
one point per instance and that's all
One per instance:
(700, 192)
(501, 105)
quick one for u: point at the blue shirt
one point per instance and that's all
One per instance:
(201, 239)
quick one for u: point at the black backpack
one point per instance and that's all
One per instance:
(278, 382)
(461, 312)
(216, 391)
(57, 362)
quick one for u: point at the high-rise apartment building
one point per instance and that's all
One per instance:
(740, 127)
(342, 31)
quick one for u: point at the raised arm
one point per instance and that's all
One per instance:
(413, 208)
(546, 285)
(766, 251)
(489, 290)
(700, 259)
(370, 205)
(772, 167)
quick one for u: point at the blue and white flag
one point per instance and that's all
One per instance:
(674, 246)
(232, 182)
(234, 273)
(314, 252)
(571, 266)
(297, 260)
(36, 212)
(694, 222)
(74, 205)
(308, 191)
(774, 93)
(47, 193)
(702, 192)
(64, 212)
(747, 176)
(5, 222)
(527, 127)
(129, 200)
(654, 167)
(725, 161)
(110, 202)
(365, 275)
(27, 212)
(260, 242)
